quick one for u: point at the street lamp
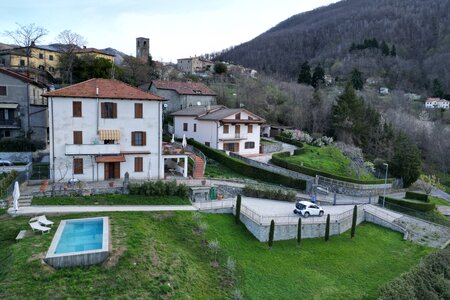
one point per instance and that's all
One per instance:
(385, 183)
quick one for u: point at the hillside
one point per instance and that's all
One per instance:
(420, 31)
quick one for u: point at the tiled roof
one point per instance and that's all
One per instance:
(92, 50)
(21, 77)
(184, 88)
(107, 89)
(197, 110)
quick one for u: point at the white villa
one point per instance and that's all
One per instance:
(100, 129)
(437, 103)
(235, 130)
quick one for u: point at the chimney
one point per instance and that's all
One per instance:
(96, 91)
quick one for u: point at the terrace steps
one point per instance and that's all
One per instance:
(199, 165)
(25, 200)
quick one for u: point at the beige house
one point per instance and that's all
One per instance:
(194, 65)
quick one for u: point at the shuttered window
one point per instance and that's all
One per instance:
(226, 128)
(138, 164)
(77, 166)
(249, 145)
(195, 127)
(185, 126)
(3, 90)
(78, 137)
(138, 138)
(76, 109)
(109, 110)
(138, 111)
(250, 128)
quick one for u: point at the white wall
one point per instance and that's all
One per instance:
(206, 130)
(62, 124)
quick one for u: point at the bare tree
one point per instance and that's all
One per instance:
(70, 43)
(26, 36)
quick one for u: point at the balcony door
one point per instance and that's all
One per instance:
(232, 147)
(112, 170)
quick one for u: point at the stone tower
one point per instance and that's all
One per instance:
(142, 48)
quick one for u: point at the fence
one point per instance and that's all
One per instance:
(226, 203)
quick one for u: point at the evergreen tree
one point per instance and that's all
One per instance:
(271, 233)
(384, 48)
(305, 74)
(437, 89)
(299, 231)
(318, 76)
(393, 51)
(406, 161)
(355, 216)
(238, 209)
(327, 229)
(356, 79)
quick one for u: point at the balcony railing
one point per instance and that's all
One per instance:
(10, 122)
(92, 149)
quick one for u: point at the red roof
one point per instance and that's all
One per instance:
(21, 77)
(184, 88)
(105, 159)
(107, 89)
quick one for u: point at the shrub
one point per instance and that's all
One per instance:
(417, 196)
(412, 204)
(238, 209)
(355, 217)
(159, 188)
(299, 231)
(17, 145)
(248, 170)
(271, 233)
(266, 193)
(289, 141)
(277, 159)
(6, 181)
(327, 229)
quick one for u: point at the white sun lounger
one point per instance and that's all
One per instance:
(38, 227)
(42, 220)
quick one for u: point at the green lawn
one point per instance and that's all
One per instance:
(438, 201)
(327, 159)
(111, 199)
(162, 257)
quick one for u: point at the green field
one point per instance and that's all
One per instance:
(327, 159)
(161, 256)
(111, 199)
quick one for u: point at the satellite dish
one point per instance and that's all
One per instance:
(165, 105)
(199, 103)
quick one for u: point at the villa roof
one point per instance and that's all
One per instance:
(184, 88)
(21, 77)
(197, 110)
(107, 89)
(217, 113)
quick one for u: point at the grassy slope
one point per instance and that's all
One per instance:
(438, 201)
(340, 269)
(161, 248)
(215, 169)
(327, 159)
(111, 199)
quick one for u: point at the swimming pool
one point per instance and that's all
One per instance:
(79, 242)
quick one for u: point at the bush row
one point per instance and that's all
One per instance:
(20, 145)
(430, 280)
(277, 159)
(6, 181)
(268, 193)
(412, 204)
(289, 141)
(159, 188)
(243, 168)
(417, 196)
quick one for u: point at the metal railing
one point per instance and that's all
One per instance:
(226, 203)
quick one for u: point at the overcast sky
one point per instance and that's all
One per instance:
(176, 28)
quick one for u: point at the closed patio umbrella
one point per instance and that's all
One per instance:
(16, 196)
(173, 138)
(184, 143)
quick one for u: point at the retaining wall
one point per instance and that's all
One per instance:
(17, 156)
(271, 147)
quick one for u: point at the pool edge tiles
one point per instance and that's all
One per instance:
(80, 258)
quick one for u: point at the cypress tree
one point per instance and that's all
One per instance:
(299, 231)
(305, 74)
(327, 229)
(393, 51)
(355, 215)
(384, 48)
(356, 79)
(238, 209)
(271, 233)
(318, 76)
(406, 161)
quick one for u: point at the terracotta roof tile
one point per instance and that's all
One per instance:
(184, 88)
(21, 77)
(92, 50)
(107, 89)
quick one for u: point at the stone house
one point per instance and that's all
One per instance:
(235, 130)
(181, 95)
(101, 129)
(23, 110)
(194, 65)
(437, 103)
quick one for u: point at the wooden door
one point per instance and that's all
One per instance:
(236, 147)
(106, 171)
(116, 174)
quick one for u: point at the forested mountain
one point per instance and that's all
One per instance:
(419, 30)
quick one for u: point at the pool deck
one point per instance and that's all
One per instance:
(68, 209)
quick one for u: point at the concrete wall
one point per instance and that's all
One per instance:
(377, 220)
(271, 147)
(63, 124)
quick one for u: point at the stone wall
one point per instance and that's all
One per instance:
(271, 147)
(17, 156)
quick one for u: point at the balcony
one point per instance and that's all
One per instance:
(10, 123)
(233, 137)
(92, 149)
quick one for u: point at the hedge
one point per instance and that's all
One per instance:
(277, 159)
(250, 171)
(289, 141)
(417, 196)
(268, 193)
(20, 145)
(6, 181)
(159, 188)
(412, 204)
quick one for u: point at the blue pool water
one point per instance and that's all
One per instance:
(81, 235)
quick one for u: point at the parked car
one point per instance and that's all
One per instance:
(4, 162)
(306, 209)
